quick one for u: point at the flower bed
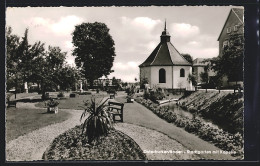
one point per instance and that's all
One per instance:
(224, 109)
(72, 145)
(220, 138)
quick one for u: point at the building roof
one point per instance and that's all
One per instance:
(199, 62)
(165, 54)
(240, 15)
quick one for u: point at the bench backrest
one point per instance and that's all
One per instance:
(115, 103)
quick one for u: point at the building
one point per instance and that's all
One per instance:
(103, 82)
(166, 67)
(200, 66)
(234, 24)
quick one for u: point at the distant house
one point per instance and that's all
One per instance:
(105, 82)
(199, 66)
(166, 67)
(233, 24)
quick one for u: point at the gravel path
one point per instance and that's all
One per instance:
(151, 140)
(31, 146)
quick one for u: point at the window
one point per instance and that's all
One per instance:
(229, 29)
(225, 43)
(182, 73)
(235, 27)
(162, 76)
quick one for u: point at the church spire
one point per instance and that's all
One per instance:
(165, 26)
(165, 37)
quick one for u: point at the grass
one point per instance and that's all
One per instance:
(73, 103)
(20, 121)
(72, 145)
(21, 95)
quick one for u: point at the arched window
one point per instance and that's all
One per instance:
(182, 73)
(162, 76)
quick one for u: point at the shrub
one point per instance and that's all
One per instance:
(154, 95)
(61, 94)
(73, 95)
(220, 138)
(53, 103)
(99, 121)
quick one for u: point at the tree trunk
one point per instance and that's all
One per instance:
(91, 82)
(43, 90)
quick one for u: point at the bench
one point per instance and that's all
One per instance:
(11, 103)
(116, 109)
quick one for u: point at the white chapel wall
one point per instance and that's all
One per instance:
(181, 82)
(155, 76)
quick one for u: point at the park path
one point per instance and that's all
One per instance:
(144, 127)
(137, 114)
(31, 146)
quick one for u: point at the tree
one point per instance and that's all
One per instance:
(52, 66)
(94, 50)
(188, 57)
(67, 77)
(12, 44)
(143, 82)
(230, 63)
(205, 78)
(24, 58)
(115, 82)
(193, 79)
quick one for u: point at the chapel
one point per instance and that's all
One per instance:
(165, 67)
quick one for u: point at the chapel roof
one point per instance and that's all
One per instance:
(165, 54)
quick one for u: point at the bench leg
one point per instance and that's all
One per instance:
(114, 117)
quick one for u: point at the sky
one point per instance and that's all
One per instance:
(135, 30)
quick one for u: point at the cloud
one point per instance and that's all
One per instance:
(127, 71)
(184, 30)
(145, 22)
(142, 28)
(68, 45)
(66, 25)
(194, 44)
(62, 27)
(126, 66)
(205, 52)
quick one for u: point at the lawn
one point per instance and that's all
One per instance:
(74, 103)
(20, 121)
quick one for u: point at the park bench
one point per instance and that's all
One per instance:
(116, 109)
(111, 93)
(11, 103)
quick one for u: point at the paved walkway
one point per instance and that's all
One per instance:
(137, 114)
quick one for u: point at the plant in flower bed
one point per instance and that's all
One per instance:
(222, 139)
(224, 109)
(99, 121)
(72, 145)
(130, 94)
(155, 94)
(53, 103)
